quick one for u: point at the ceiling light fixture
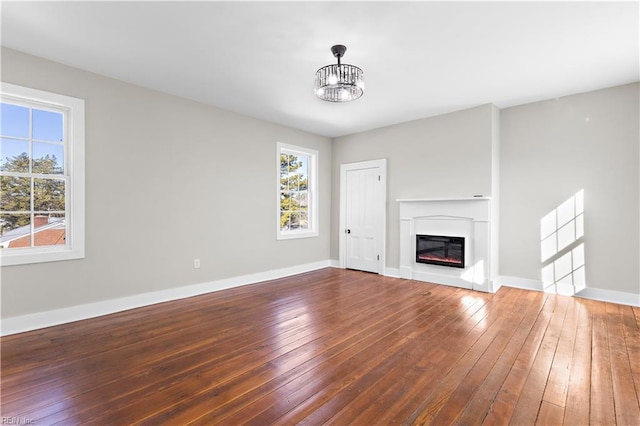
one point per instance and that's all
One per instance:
(339, 82)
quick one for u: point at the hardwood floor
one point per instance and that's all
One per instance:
(339, 347)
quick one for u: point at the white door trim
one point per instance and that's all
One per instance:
(382, 229)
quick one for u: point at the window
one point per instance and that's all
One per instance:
(41, 176)
(297, 192)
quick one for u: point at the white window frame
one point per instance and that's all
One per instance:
(283, 148)
(73, 110)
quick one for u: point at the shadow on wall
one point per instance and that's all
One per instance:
(562, 247)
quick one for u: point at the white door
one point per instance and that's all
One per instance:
(363, 212)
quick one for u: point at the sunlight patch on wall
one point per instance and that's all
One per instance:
(561, 247)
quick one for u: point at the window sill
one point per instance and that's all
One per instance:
(295, 235)
(29, 256)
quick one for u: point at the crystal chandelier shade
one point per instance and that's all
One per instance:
(339, 82)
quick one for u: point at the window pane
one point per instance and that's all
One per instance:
(293, 177)
(304, 221)
(47, 125)
(48, 158)
(14, 225)
(15, 155)
(15, 194)
(293, 182)
(50, 230)
(15, 121)
(303, 183)
(284, 220)
(304, 201)
(48, 195)
(295, 201)
(294, 221)
(303, 171)
(284, 164)
(303, 161)
(292, 160)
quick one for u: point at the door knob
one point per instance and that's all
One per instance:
(348, 231)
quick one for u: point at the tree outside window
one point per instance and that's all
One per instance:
(32, 181)
(296, 192)
(41, 176)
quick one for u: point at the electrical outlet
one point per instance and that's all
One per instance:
(196, 263)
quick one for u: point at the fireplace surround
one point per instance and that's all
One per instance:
(465, 220)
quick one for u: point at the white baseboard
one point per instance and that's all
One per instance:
(39, 320)
(392, 272)
(452, 281)
(602, 295)
(517, 282)
(611, 296)
(387, 272)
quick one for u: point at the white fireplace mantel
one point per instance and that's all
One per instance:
(422, 200)
(469, 218)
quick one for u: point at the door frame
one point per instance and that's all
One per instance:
(381, 165)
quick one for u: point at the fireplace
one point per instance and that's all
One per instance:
(440, 250)
(468, 219)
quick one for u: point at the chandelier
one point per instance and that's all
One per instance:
(339, 82)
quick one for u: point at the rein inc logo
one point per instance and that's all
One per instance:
(15, 420)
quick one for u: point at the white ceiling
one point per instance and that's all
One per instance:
(419, 58)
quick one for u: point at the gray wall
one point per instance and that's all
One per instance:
(440, 157)
(530, 159)
(552, 149)
(168, 180)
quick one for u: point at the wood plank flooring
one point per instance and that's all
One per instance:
(337, 347)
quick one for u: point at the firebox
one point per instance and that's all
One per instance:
(440, 250)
